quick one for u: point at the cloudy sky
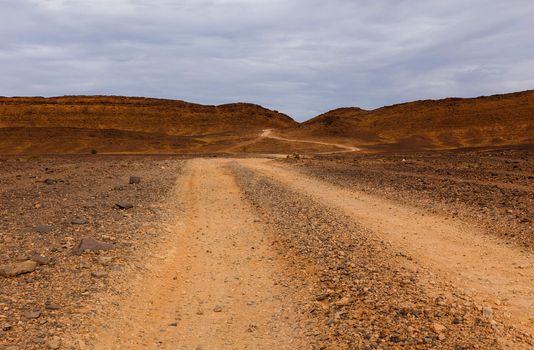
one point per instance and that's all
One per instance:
(302, 57)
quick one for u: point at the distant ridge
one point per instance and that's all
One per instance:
(81, 124)
(116, 124)
(498, 120)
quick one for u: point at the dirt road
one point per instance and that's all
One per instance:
(231, 277)
(268, 133)
(215, 284)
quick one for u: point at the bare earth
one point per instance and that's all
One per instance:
(251, 254)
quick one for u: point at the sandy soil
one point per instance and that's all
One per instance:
(249, 254)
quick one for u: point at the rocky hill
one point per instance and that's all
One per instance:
(499, 120)
(79, 124)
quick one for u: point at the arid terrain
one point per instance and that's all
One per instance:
(134, 125)
(133, 223)
(341, 251)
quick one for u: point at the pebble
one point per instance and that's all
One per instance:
(104, 260)
(91, 244)
(31, 315)
(134, 180)
(217, 308)
(98, 274)
(43, 229)
(78, 221)
(51, 306)
(54, 343)
(39, 259)
(487, 311)
(124, 205)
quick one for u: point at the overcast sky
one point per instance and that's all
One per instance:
(302, 57)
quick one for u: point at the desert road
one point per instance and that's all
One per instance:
(263, 257)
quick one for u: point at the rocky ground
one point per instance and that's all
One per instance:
(490, 189)
(364, 295)
(101, 252)
(47, 207)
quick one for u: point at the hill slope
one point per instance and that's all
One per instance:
(76, 124)
(431, 124)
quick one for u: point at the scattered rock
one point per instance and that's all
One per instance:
(54, 343)
(6, 327)
(438, 328)
(124, 205)
(90, 244)
(343, 301)
(78, 221)
(487, 311)
(99, 274)
(217, 308)
(39, 259)
(104, 260)
(49, 181)
(12, 270)
(43, 229)
(51, 306)
(135, 180)
(31, 315)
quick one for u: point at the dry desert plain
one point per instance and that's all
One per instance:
(346, 247)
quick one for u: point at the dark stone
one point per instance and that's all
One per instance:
(43, 229)
(51, 306)
(90, 244)
(49, 181)
(124, 205)
(134, 180)
(78, 221)
(39, 259)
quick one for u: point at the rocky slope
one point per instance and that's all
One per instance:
(79, 124)
(499, 120)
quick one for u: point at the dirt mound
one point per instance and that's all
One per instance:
(498, 120)
(75, 124)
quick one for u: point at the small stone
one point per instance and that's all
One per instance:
(104, 260)
(31, 315)
(124, 205)
(90, 244)
(321, 297)
(343, 301)
(78, 221)
(441, 336)
(438, 328)
(49, 181)
(134, 180)
(173, 324)
(12, 347)
(43, 229)
(98, 274)
(39, 259)
(54, 343)
(487, 312)
(51, 306)
(217, 308)
(6, 327)
(12, 270)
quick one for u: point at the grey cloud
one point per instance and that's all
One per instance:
(302, 57)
